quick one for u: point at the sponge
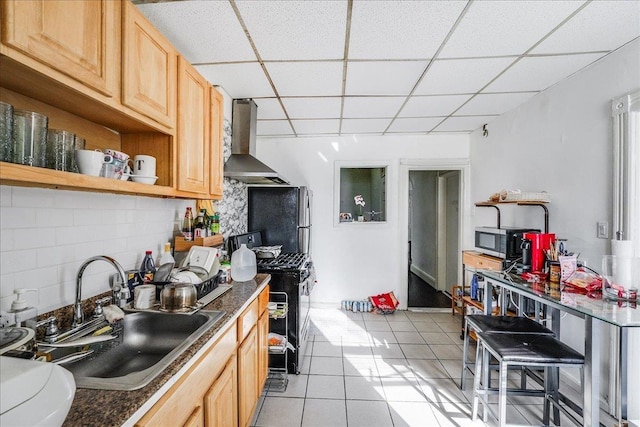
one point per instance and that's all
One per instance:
(112, 313)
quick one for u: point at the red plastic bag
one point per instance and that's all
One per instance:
(385, 303)
(583, 281)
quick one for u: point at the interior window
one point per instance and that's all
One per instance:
(363, 194)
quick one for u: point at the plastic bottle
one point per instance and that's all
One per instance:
(243, 264)
(187, 225)
(166, 257)
(148, 267)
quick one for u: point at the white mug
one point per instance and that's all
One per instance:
(144, 165)
(90, 161)
(144, 296)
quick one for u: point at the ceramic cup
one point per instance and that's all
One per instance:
(144, 165)
(144, 296)
(90, 161)
(119, 155)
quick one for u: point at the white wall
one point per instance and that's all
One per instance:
(561, 141)
(354, 261)
(47, 234)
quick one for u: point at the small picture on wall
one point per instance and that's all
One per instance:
(345, 217)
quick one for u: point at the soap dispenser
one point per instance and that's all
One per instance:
(21, 312)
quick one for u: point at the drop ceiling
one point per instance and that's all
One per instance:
(345, 67)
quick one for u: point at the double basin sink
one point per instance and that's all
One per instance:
(146, 343)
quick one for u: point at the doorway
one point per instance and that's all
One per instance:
(433, 237)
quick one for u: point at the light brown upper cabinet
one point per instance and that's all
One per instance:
(77, 38)
(217, 144)
(149, 67)
(193, 129)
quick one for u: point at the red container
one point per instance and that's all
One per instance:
(539, 242)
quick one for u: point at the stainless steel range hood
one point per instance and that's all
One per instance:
(243, 165)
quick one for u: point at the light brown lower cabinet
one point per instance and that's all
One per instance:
(221, 401)
(196, 419)
(181, 404)
(248, 392)
(223, 387)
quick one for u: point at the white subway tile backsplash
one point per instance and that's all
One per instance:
(11, 217)
(6, 240)
(5, 196)
(53, 218)
(48, 234)
(31, 197)
(33, 238)
(13, 261)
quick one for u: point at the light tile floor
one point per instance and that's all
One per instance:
(364, 369)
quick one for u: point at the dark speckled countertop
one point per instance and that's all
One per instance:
(115, 408)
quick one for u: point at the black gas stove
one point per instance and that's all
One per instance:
(284, 262)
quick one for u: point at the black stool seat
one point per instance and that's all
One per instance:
(531, 349)
(509, 324)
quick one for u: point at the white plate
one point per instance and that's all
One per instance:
(201, 256)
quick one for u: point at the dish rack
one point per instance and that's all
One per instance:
(278, 379)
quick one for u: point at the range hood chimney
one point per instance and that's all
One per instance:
(243, 165)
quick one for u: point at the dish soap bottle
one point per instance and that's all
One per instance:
(243, 264)
(166, 257)
(148, 267)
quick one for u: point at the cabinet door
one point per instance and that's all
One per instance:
(263, 349)
(193, 129)
(196, 419)
(247, 377)
(221, 401)
(149, 68)
(76, 38)
(217, 144)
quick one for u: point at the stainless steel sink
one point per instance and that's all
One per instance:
(147, 343)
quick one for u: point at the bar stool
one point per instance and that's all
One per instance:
(482, 323)
(532, 350)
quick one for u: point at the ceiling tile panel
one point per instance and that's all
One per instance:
(414, 125)
(306, 78)
(400, 30)
(313, 108)
(296, 30)
(364, 125)
(463, 124)
(540, 72)
(371, 106)
(508, 27)
(431, 106)
(316, 127)
(383, 78)
(461, 75)
(273, 127)
(494, 103)
(602, 25)
(246, 80)
(269, 109)
(194, 29)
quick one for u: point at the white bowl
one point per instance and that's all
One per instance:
(145, 179)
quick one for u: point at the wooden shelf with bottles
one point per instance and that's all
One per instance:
(182, 245)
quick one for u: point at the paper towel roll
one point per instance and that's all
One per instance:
(622, 248)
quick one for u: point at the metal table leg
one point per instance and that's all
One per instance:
(591, 411)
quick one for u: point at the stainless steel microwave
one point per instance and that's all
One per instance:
(504, 242)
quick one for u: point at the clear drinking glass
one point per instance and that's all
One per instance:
(621, 276)
(79, 144)
(60, 150)
(29, 137)
(6, 132)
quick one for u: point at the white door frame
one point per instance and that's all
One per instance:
(407, 165)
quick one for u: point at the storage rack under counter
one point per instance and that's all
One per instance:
(278, 379)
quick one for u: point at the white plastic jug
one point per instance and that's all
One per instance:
(243, 264)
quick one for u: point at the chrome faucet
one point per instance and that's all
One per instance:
(78, 313)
